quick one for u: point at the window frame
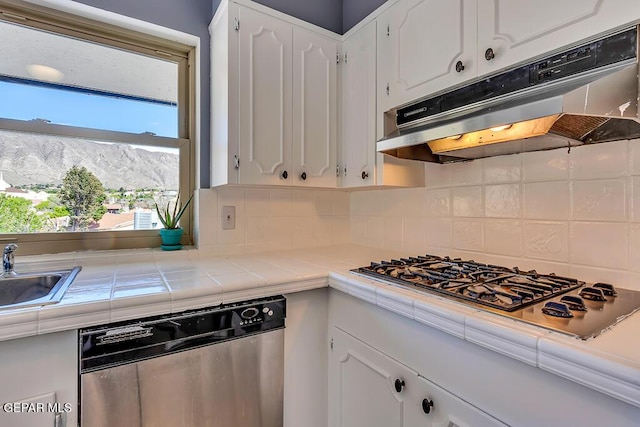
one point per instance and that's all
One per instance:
(42, 18)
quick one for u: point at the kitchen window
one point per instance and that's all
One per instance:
(96, 126)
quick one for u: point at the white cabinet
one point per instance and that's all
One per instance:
(428, 46)
(265, 87)
(361, 165)
(359, 108)
(368, 388)
(518, 30)
(274, 100)
(362, 390)
(424, 46)
(42, 373)
(315, 109)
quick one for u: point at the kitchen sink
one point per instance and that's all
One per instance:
(33, 289)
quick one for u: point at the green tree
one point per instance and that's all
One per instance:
(82, 194)
(17, 216)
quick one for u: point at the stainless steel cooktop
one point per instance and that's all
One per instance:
(554, 302)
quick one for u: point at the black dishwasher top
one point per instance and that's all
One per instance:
(119, 343)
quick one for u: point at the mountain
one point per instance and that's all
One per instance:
(44, 159)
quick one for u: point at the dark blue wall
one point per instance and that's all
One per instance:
(353, 11)
(335, 15)
(192, 17)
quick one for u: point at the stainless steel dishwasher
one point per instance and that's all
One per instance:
(220, 366)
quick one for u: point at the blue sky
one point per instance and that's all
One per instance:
(26, 102)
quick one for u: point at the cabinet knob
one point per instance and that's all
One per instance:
(398, 384)
(459, 66)
(489, 55)
(427, 404)
(284, 175)
(364, 175)
(303, 176)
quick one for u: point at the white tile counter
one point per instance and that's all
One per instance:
(122, 285)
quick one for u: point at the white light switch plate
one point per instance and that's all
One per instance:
(228, 217)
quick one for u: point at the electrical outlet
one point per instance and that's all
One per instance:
(228, 217)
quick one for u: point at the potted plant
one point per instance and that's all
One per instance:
(172, 232)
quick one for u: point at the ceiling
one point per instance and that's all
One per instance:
(37, 55)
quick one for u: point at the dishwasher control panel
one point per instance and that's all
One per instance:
(108, 345)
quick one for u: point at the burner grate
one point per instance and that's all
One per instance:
(502, 288)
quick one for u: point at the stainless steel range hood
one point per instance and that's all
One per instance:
(585, 95)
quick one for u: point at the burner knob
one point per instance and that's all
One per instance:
(557, 309)
(593, 294)
(574, 302)
(399, 385)
(427, 404)
(607, 289)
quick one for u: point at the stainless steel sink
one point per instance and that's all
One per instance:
(33, 289)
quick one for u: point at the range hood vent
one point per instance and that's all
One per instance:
(585, 95)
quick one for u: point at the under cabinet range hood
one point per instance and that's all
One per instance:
(585, 95)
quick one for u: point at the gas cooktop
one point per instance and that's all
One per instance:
(554, 302)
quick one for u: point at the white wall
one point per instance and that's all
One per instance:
(269, 219)
(574, 213)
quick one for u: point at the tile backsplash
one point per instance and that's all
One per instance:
(575, 213)
(270, 219)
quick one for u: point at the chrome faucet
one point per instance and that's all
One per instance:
(7, 259)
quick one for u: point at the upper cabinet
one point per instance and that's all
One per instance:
(274, 101)
(315, 109)
(361, 165)
(424, 46)
(265, 86)
(428, 46)
(510, 32)
(359, 108)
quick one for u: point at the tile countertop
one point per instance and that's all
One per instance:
(123, 285)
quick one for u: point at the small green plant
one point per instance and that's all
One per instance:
(170, 218)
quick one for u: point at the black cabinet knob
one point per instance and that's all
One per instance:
(459, 66)
(398, 384)
(427, 404)
(365, 175)
(303, 176)
(489, 55)
(284, 175)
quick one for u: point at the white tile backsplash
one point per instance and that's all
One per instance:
(599, 161)
(546, 240)
(466, 173)
(502, 200)
(280, 203)
(439, 232)
(599, 200)
(273, 219)
(547, 200)
(323, 203)
(467, 201)
(467, 235)
(502, 169)
(503, 236)
(551, 165)
(572, 212)
(438, 202)
(599, 244)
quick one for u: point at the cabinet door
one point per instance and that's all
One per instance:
(420, 44)
(434, 406)
(359, 108)
(265, 99)
(314, 109)
(518, 30)
(362, 385)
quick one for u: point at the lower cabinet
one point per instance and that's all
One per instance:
(39, 381)
(368, 388)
